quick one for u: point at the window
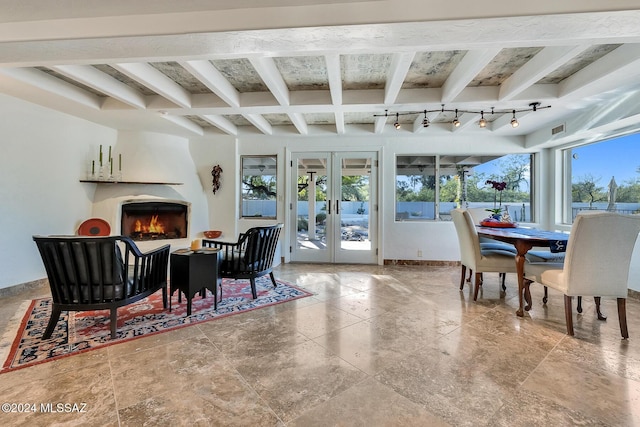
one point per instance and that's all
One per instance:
(258, 187)
(415, 188)
(604, 176)
(462, 181)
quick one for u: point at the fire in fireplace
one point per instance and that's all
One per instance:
(154, 220)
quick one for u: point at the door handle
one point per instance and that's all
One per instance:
(338, 207)
(328, 207)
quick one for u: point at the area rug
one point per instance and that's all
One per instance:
(79, 332)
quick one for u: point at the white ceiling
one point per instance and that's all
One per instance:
(284, 67)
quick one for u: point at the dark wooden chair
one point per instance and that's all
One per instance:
(251, 256)
(100, 273)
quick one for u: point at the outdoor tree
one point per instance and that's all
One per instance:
(355, 187)
(586, 190)
(515, 171)
(261, 187)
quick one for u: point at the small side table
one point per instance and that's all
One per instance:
(193, 272)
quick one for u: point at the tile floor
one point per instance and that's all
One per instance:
(375, 346)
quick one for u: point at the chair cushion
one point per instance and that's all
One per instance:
(498, 246)
(545, 256)
(549, 273)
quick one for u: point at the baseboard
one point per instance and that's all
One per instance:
(634, 294)
(430, 263)
(16, 289)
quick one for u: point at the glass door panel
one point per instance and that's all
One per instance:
(355, 207)
(310, 207)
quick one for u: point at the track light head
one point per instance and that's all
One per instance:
(514, 121)
(482, 122)
(397, 123)
(455, 121)
(425, 122)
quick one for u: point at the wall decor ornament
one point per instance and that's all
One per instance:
(216, 172)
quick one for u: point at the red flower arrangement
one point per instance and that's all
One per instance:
(498, 187)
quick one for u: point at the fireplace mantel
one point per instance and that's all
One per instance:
(129, 182)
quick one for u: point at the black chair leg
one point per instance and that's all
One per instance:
(273, 279)
(462, 276)
(53, 321)
(253, 288)
(114, 322)
(598, 312)
(579, 308)
(503, 276)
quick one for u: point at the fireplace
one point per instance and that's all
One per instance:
(154, 220)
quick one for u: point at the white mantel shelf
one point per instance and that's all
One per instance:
(129, 182)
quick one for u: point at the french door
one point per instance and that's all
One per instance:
(334, 207)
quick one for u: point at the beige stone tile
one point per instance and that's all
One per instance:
(220, 398)
(503, 361)
(527, 409)
(523, 330)
(98, 357)
(325, 286)
(166, 367)
(368, 404)
(368, 346)
(86, 394)
(299, 378)
(455, 390)
(145, 343)
(594, 392)
(365, 305)
(320, 319)
(256, 334)
(418, 322)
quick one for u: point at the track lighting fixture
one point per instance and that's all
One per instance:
(533, 106)
(482, 123)
(514, 121)
(455, 121)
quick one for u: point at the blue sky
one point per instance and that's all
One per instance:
(617, 157)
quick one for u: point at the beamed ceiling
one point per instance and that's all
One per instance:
(135, 69)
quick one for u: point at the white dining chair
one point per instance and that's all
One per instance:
(477, 215)
(476, 259)
(596, 264)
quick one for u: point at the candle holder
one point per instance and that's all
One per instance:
(103, 173)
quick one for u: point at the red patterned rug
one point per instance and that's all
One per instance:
(78, 332)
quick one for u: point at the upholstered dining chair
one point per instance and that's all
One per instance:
(475, 258)
(596, 264)
(477, 215)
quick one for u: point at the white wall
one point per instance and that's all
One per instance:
(43, 156)
(223, 206)
(153, 157)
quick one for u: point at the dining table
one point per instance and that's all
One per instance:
(524, 238)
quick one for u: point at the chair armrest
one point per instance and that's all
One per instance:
(145, 270)
(232, 252)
